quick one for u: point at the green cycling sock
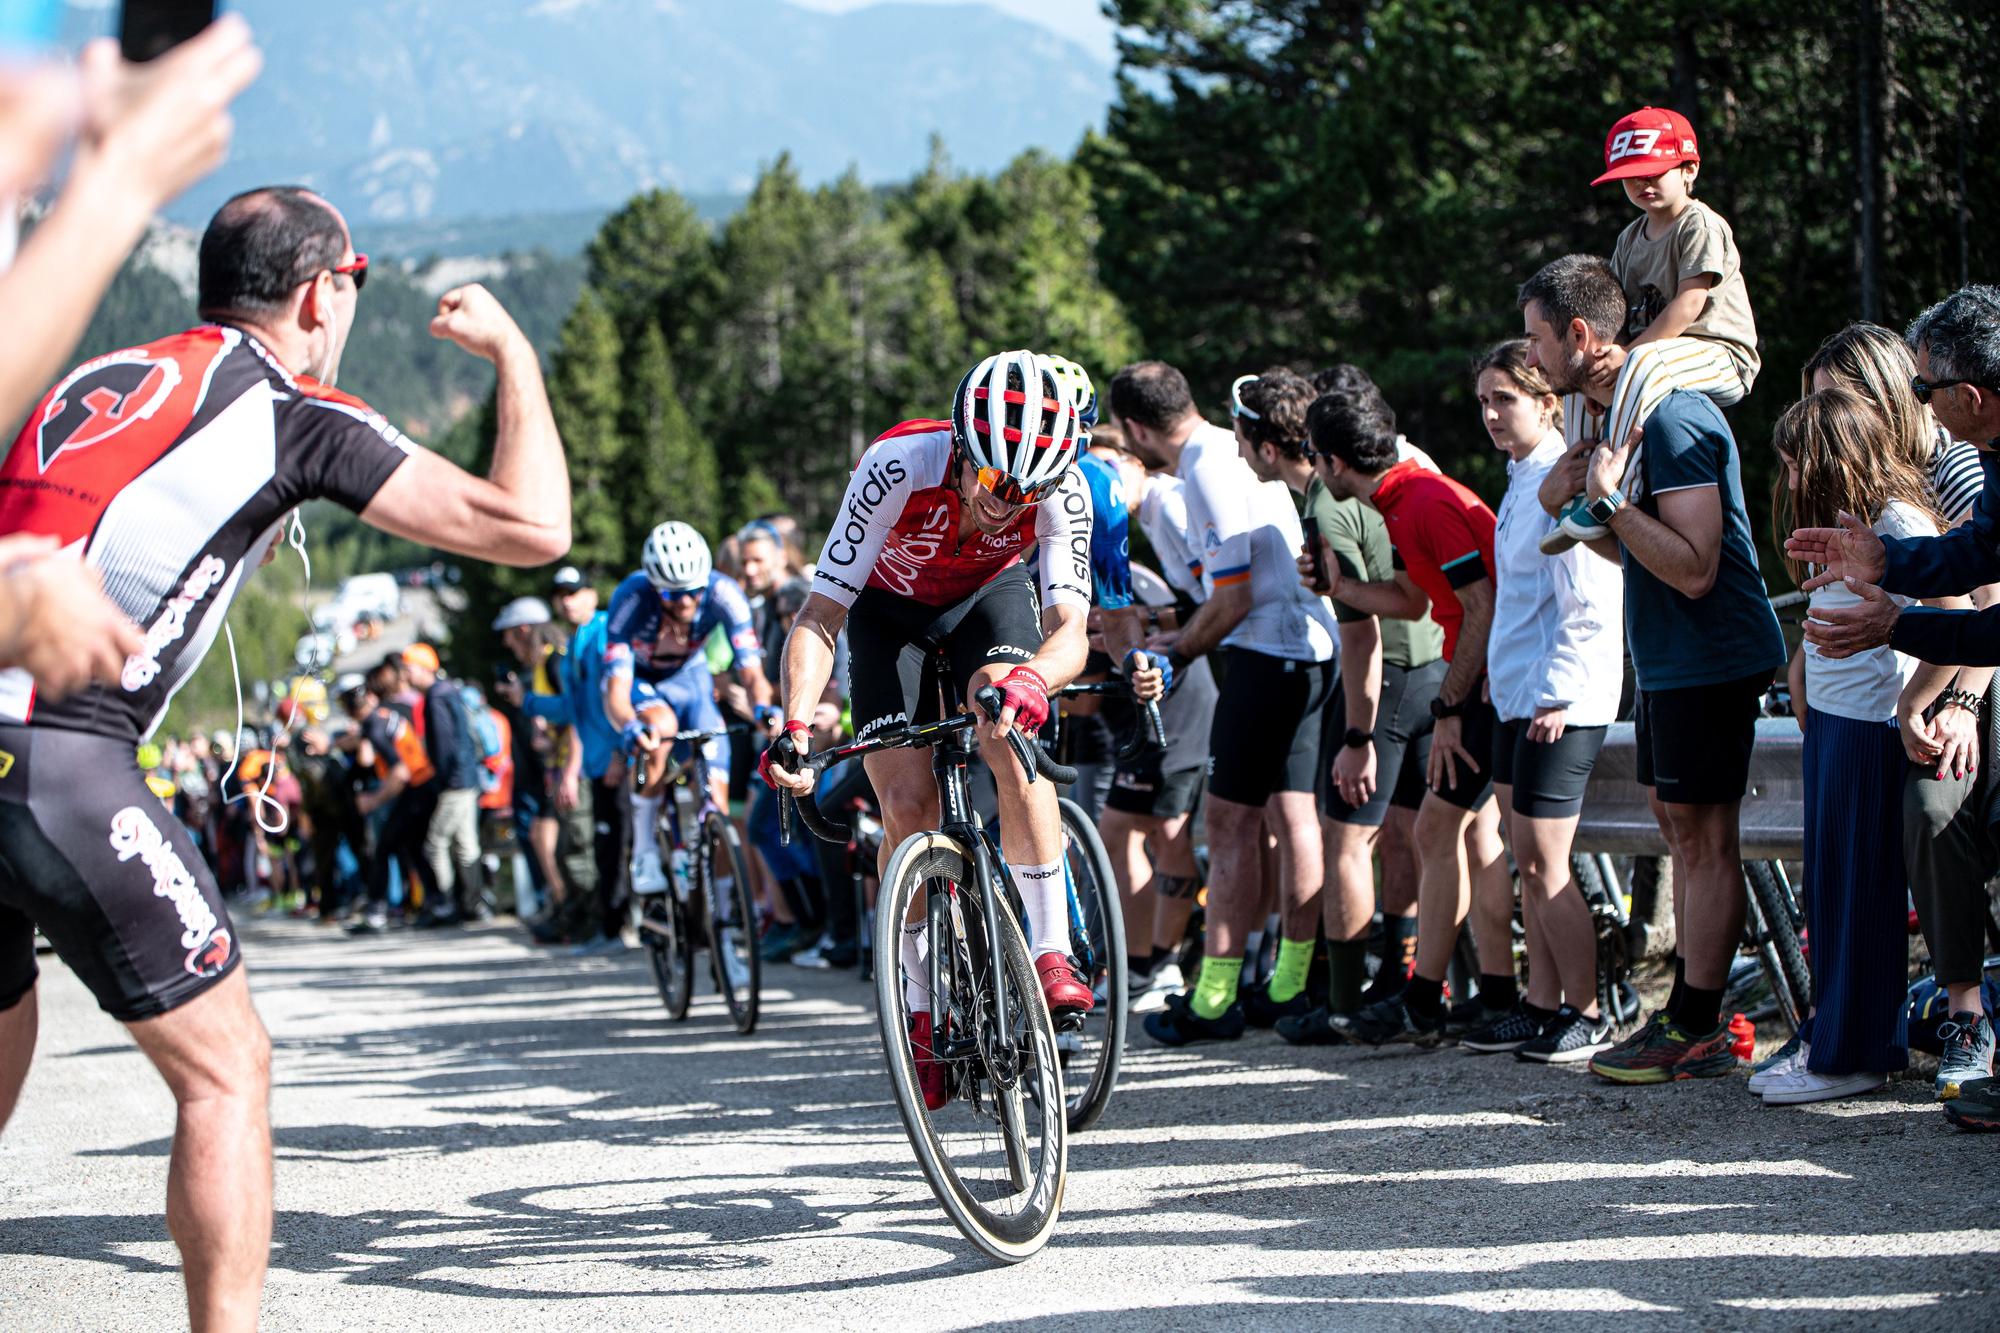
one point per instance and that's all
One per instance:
(1288, 978)
(1216, 989)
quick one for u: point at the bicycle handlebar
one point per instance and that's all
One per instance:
(1155, 734)
(1034, 761)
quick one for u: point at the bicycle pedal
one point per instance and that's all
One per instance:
(1069, 1020)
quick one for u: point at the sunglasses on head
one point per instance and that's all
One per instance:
(357, 270)
(1236, 408)
(1923, 390)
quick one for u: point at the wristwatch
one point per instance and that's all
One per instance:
(1356, 738)
(1601, 510)
(1441, 709)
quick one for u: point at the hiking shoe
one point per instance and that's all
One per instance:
(1803, 1085)
(1509, 1032)
(1179, 1025)
(930, 1070)
(1566, 1038)
(1387, 1021)
(1662, 1052)
(1261, 1011)
(1787, 1059)
(1968, 1053)
(1977, 1106)
(1312, 1028)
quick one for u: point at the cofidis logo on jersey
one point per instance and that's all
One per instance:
(101, 398)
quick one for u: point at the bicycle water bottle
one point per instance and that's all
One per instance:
(1743, 1037)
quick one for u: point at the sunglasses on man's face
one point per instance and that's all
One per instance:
(357, 270)
(1924, 389)
(1010, 491)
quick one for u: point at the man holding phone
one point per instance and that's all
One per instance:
(173, 467)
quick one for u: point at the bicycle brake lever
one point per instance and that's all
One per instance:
(989, 699)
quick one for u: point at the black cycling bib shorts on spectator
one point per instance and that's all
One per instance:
(170, 468)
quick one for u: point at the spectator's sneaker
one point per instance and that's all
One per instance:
(1567, 1038)
(1571, 523)
(648, 875)
(1803, 1085)
(1260, 1011)
(1509, 1032)
(596, 945)
(930, 1070)
(1061, 986)
(1786, 1060)
(1469, 1016)
(1968, 1053)
(1387, 1021)
(1313, 1028)
(1661, 1052)
(369, 923)
(1977, 1106)
(1179, 1025)
(1148, 991)
(814, 957)
(780, 942)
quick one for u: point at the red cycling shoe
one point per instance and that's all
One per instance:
(930, 1069)
(1061, 986)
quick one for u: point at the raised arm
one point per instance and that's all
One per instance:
(519, 513)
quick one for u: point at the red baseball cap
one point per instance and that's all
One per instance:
(1646, 143)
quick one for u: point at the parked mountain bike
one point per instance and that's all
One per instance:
(707, 900)
(996, 1155)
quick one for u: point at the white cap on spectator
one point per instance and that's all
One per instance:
(522, 611)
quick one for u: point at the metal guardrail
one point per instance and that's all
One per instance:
(1618, 818)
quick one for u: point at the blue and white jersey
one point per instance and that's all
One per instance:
(638, 611)
(1110, 535)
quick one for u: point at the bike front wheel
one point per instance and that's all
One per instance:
(732, 936)
(996, 1153)
(664, 930)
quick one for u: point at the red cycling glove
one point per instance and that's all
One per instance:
(1028, 695)
(783, 751)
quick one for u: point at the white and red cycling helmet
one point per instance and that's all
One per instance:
(1015, 418)
(676, 558)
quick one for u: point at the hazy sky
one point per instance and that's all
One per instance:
(1078, 20)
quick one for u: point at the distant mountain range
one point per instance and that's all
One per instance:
(427, 110)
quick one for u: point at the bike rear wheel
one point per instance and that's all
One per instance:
(996, 1154)
(732, 936)
(1773, 922)
(1097, 930)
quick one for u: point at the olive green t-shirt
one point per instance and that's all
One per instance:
(1652, 271)
(1360, 544)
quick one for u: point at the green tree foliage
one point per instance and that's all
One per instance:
(1301, 181)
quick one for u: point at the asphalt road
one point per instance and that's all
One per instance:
(475, 1135)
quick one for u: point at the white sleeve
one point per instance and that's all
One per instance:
(881, 485)
(1219, 491)
(1062, 534)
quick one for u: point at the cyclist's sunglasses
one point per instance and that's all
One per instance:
(1923, 390)
(681, 594)
(1009, 491)
(358, 270)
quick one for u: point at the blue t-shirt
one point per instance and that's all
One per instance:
(1110, 539)
(1731, 633)
(637, 609)
(581, 703)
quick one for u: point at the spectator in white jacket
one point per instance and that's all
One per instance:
(1555, 666)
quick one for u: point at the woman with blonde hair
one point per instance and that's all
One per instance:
(1947, 849)
(1837, 456)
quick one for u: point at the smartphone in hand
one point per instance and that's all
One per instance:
(1316, 552)
(148, 29)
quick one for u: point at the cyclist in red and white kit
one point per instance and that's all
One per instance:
(171, 469)
(926, 555)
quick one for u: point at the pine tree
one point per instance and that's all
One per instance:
(673, 472)
(586, 394)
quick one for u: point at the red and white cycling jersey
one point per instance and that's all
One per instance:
(171, 467)
(897, 529)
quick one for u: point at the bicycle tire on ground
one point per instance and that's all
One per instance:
(732, 932)
(665, 931)
(936, 861)
(1090, 1081)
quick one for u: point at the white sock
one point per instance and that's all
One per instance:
(916, 976)
(645, 817)
(1044, 892)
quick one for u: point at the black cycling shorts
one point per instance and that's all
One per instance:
(1548, 777)
(891, 641)
(93, 858)
(1264, 737)
(1473, 784)
(1695, 743)
(1140, 788)
(1402, 744)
